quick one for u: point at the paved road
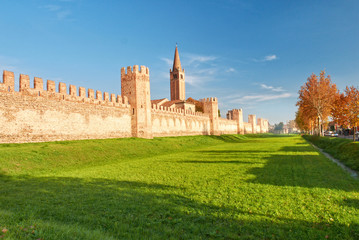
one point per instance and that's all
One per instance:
(347, 137)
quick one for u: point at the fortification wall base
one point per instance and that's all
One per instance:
(39, 115)
(165, 123)
(38, 119)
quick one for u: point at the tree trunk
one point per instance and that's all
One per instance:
(354, 130)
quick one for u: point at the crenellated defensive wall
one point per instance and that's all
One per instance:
(36, 114)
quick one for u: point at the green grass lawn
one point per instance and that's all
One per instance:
(344, 150)
(201, 187)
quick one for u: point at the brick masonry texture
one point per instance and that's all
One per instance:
(34, 114)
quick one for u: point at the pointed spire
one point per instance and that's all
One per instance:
(176, 61)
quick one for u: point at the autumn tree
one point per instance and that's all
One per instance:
(352, 108)
(316, 98)
(340, 111)
(303, 122)
(345, 110)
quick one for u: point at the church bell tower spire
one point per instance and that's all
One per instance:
(177, 79)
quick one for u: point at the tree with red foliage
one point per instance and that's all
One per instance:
(316, 98)
(352, 108)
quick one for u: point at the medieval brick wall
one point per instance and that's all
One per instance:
(226, 126)
(178, 122)
(35, 114)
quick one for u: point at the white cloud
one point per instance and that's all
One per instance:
(197, 81)
(230, 70)
(274, 89)
(270, 57)
(59, 11)
(52, 8)
(207, 71)
(199, 68)
(63, 14)
(8, 63)
(258, 98)
(192, 58)
(267, 58)
(7, 68)
(168, 61)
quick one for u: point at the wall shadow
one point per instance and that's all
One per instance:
(226, 155)
(230, 138)
(350, 202)
(136, 210)
(218, 162)
(222, 152)
(297, 148)
(268, 135)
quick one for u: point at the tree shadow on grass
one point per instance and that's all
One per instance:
(268, 135)
(350, 202)
(218, 162)
(222, 152)
(72, 208)
(231, 138)
(300, 148)
(228, 155)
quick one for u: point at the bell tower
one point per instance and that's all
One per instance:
(177, 77)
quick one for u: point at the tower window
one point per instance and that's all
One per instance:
(174, 75)
(181, 76)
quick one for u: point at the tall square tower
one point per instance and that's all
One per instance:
(177, 82)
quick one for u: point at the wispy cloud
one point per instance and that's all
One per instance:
(267, 58)
(52, 8)
(198, 80)
(270, 57)
(63, 14)
(199, 68)
(274, 89)
(257, 98)
(192, 58)
(168, 61)
(230, 70)
(8, 63)
(60, 12)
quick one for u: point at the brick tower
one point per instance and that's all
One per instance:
(237, 114)
(210, 107)
(177, 79)
(252, 120)
(135, 85)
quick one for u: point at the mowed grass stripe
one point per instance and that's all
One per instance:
(206, 187)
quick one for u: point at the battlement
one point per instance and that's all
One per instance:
(179, 111)
(8, 84)
(211, 99)
(63, 93)
(81, 113)
(135, 70)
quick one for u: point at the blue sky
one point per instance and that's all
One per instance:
(250, 54)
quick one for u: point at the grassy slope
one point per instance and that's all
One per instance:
(344, 150)
(180, 188)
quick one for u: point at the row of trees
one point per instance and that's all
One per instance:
(320, 100)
